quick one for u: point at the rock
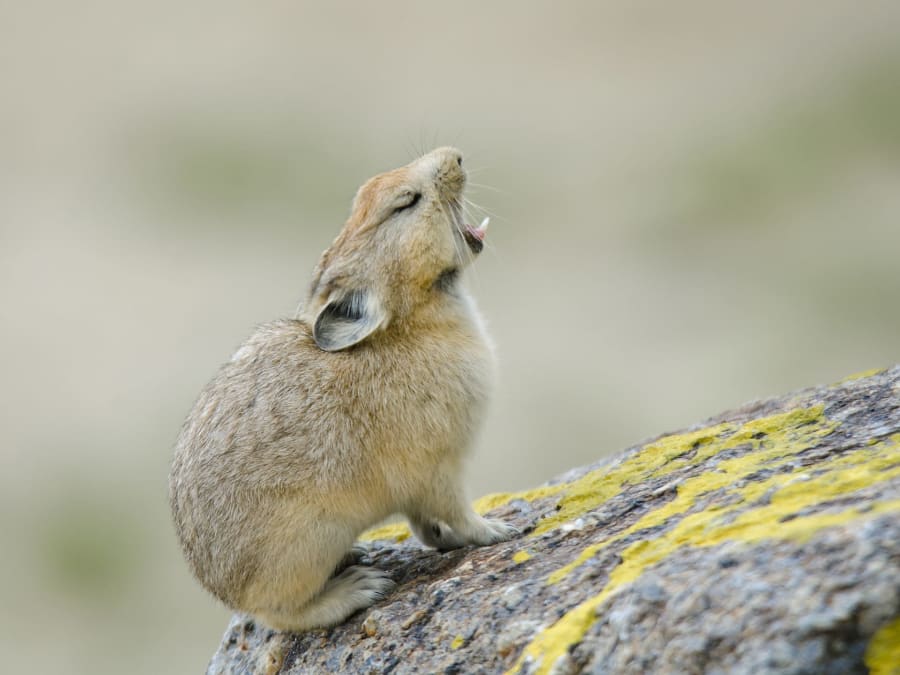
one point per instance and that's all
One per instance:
(371, 623)
(765, 540)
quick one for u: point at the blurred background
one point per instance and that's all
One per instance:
(694, 204)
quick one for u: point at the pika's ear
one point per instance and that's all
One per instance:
(347, 319)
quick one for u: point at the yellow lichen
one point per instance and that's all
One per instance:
(801, 427)
(883, 653)
(521, 556)
(458, 642)
(493, 501)
(778, 517)
(395, 531)
(862, 375)
(772, 441)
(588, 492)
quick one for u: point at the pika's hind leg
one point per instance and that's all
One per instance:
(355, 588)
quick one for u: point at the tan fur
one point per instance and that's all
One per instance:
(292, 451)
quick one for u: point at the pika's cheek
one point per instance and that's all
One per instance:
(425, 243)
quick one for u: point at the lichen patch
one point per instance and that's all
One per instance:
(792, 504)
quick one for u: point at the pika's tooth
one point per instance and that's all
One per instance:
(484, 224)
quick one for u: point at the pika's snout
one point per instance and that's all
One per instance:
(445, 165)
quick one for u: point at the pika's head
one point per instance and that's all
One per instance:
(400, 252)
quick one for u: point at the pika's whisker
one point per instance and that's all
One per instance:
(483, 186)
(482, 209)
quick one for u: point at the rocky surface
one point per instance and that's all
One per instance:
(765, 540)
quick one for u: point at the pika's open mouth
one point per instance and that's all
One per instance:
(473, 236)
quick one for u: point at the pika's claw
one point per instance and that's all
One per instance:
(351, 557)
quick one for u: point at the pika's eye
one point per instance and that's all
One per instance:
(409, 202)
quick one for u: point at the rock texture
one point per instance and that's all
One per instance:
(765, 540)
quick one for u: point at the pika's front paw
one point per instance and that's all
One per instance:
(475, 531)
(437, 534)
(493, 531)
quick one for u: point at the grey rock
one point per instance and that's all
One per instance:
(765, 540)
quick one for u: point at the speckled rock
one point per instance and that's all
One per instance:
(765, 540)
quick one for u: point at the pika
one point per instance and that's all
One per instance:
(363, 406)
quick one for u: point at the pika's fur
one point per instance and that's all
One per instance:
(363, 407)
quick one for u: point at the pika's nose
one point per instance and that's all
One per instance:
(444, 167)
(448, 156)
